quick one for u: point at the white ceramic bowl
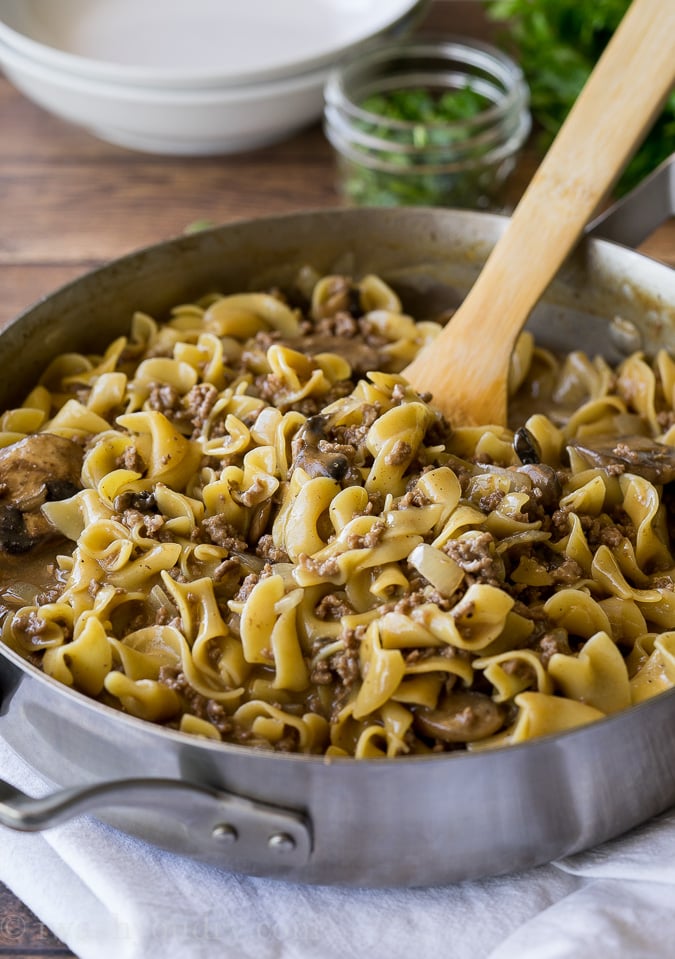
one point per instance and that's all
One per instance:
(195, 43)
(188, 122)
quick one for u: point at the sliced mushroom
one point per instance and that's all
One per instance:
(631, 454)
(314, 452)
(259, 520)
(545, 483)
(144, 501)
(14, 536)
(37, 469)
(462, 717)
(526, 446)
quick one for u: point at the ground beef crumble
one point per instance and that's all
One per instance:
(165, 399)
(346, 663)
(199, 402)
(566, 573)
(552, 642)
(605, 530)
(216, 529)
(194, 703)
(332, 607)
(475, 555)
(370, 539)
(132, 460)
(267, 550)
(400, 453)
(150, 523)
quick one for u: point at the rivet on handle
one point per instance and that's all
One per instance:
(281, 842)
(225, 833)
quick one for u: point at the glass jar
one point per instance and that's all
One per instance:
(456, 143)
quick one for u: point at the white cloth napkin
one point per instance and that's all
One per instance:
(108, 896)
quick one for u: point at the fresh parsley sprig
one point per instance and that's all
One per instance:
(557, 43)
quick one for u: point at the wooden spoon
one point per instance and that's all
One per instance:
(467, 367)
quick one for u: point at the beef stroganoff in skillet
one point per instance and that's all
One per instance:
(243, 523)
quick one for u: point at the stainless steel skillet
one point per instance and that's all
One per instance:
(389, 822)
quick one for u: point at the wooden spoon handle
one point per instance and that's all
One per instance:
(617, 105)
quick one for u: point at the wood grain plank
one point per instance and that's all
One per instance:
(22, 935)
(102, 209)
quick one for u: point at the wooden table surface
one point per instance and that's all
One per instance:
(69, 202)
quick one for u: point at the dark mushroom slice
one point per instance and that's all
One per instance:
(545, 479)
(143, 501)
(14, 536)
(629, 454)
(526, 447)
(462, 717)
(40, 468)
(315, 453)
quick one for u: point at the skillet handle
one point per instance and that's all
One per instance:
(186, 818)
(633, 218)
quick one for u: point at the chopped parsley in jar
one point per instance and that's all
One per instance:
(426, 123)
(425, 106)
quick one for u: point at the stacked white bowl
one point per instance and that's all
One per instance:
(189, 77)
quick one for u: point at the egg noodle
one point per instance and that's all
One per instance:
(277, 543)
